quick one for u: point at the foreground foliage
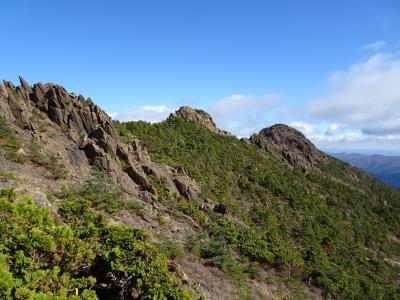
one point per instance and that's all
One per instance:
(88, 259)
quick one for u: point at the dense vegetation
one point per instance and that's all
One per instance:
(85, 259)
(323, 228)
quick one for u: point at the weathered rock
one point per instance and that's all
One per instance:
(290, 144)
(174, 267)
(207, 205)
(186, 187)
(40, 199)
(5, 111)
(24, 84)
(9, 84)
(19, 110)
(138, 151)
(3, 91)
(76, 156)
(92, 151)
(198, 116)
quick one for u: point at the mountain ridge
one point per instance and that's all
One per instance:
(270, 217)
(385, 168)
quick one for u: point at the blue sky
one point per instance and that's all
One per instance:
(325, 67)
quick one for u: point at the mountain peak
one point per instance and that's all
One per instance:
(290, 144)
(198, 116)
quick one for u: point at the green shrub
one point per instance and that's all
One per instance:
(37, 258)
(59, 172)
(124, 252)
(37, 157)
(195, 242)
(191, 209)
(217, 253)
(169, 248)
(9, 143)
(98, 191)
(245, 240)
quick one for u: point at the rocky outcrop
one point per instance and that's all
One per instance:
(221, 209)
(289, 144)
(94, 136)
(198, 116)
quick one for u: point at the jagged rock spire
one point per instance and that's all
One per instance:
(24, 84)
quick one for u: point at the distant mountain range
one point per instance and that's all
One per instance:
(386, 168)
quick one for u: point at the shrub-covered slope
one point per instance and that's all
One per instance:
(334, 227)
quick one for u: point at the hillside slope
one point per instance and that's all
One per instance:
(324, 223)
(386, 168)
(181, 209)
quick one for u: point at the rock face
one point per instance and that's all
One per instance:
(290, 144)
(198, 116)
(93, 135)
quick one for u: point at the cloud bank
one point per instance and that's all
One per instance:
(148, 113)
(362, 106)
(367, 97)
(244, 114)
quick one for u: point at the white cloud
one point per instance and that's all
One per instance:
(332, 129)
(361, 109)
(365, 97)
(306, 128)
(378, 45)
(337, 138)
(236, 104)
(148, 113)
(244, 114)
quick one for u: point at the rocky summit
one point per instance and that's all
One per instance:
(198, 116)
(94, 208)
(290, 144)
